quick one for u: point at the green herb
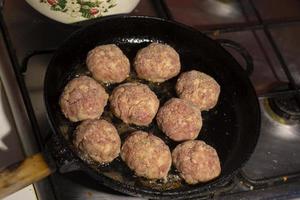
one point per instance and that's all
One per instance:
(62, 4)
(85, 13)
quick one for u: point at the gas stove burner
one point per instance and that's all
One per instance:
(285, 109)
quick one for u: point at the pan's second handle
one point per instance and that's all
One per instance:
(241, 50)
(19, 175)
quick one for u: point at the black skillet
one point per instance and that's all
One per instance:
(232, 127)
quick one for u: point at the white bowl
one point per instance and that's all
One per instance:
(71, 11)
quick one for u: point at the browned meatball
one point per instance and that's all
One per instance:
(196, 161)
(179, 120)
(134, 103)
(199, 88)
(157, 62)
(108, 64)
(98, 140)
(83, 98)
(147, 155)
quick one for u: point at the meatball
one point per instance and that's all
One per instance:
(196, 161)
(134, 103)
(108, 64)
(83, 98)
(199, 88)
(147, 155)
(98, 140)
(179, 120)
(157, 63)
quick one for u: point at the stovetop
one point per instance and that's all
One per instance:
(268, 29)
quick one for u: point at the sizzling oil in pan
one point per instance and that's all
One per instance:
(117, 169)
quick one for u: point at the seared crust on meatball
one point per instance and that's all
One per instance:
(147, 155)
(196, 161)
(134, 103)
(98, 139)
(179, 120)
(199, 88)
(108, 64)
(157, 62)
(83, 98)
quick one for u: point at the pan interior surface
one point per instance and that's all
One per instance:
(232, 127)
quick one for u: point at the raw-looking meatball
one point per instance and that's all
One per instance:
(199, 88)
(108, 64)
(147, 155)
(196, 161)
(179, 120)
(83, 98)
(98, 140)
(157, 62)
(134, 103)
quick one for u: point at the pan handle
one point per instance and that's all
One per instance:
(241, 50)
(19, 175)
